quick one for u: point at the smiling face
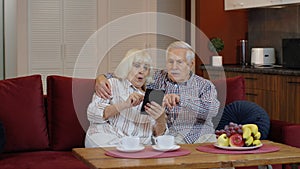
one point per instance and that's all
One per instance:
(177, 65)
(138, 73)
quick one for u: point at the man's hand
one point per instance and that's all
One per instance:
(102, 87)
(171, 100)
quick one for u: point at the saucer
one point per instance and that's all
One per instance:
(173, 148)
(135, 149)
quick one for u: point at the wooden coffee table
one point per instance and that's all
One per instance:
(96, 159)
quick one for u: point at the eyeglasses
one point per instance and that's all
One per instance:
(138, 65)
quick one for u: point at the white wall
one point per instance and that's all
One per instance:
(10, 13)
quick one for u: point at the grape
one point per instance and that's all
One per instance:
(236, 127)
(218, 132)
(228, 133)
(222, 131)
(232, 132)
(230, 129)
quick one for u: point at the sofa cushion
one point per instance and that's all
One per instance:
(235, 89)
(2, 137)
(68, 99)
(23, 114)
(41, 160)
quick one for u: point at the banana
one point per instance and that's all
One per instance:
(256, 142)
(246, 132)
(257, 136)
(249, 141)
(253, 127)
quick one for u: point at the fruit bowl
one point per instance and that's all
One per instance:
(238, 136)
(237, 148)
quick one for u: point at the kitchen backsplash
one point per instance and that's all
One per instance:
(268, 26)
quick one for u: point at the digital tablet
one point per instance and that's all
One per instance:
(155, 95)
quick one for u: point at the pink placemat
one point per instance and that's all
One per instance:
(212, 149)
(148, 152)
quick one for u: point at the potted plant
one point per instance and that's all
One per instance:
(216, 45)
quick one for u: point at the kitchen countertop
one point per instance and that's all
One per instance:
(249, 69)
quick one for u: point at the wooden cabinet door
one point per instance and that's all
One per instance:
(260, 89)
(290, 99)
(265, 99)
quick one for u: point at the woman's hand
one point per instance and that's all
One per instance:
(134, 99)
(155, 110)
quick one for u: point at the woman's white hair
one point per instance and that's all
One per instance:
(190, 54)
(132, 55)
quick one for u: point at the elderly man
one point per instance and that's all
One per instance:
(190, 101)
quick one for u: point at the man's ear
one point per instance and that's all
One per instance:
(192, 64)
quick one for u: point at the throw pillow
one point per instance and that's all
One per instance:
(246, 112)
(22, 112)
(235, 89)
(68, 99)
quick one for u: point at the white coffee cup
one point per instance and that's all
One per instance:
(165, 141)
(130, 142)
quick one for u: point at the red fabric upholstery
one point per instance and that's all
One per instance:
(291, 135)
(235, 89)
(41, 160)
(68, 99)
(22, 113)
(277, 126)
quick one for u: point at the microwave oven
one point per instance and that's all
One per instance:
(291, 53)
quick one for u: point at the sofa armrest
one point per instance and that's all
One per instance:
(291, 135)
(276, 130)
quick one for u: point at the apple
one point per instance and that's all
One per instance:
(223, 140)
(236, 140)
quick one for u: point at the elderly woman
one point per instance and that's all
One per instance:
(120, 115)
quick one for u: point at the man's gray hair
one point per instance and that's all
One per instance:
(190, 54)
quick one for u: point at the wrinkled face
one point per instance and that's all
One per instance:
(177, 65)
(138, 73)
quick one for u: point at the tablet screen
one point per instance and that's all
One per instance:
(155, 95)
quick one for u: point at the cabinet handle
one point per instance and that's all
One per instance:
(251, 94)
(290, 82)
(250, 78)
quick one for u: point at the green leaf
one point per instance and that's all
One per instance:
(216, 44)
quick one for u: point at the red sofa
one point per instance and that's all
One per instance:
(40, 130)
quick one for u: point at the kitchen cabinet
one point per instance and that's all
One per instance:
(290, 98)
(263, 90)
(275, 90)
(244, 4)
